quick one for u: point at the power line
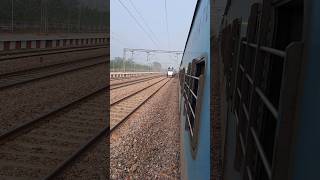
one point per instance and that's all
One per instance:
(144, 21)
(166, 14)
(114, 33)
(126, 8)
(120, 41)
(118, 37)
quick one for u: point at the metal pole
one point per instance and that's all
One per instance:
(133, 61)
(79, 20)
(12, 13)
(134, 67)
(41, 16)
(123, 60)
(112, 62)
(148, 61)
(178, 60)
(46, 16)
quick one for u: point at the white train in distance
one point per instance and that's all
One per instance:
(171, 72)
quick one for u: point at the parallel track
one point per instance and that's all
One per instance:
(123, 108)
(39, 138)
(9, 55)
(84, 134)
(128, 83)
(106, 130)
(27, 76)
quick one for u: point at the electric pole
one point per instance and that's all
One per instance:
(12, 14)
(79, 17)
(148, 54)
(123, 60)
(44, 18)
(148, 51)
(134, 65)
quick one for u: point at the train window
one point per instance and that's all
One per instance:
(260, 88)
(192, 92)
(181, 78)
(229, 44)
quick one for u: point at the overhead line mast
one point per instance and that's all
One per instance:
(153, 50)
(147, 51)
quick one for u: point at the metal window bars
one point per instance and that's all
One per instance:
(252, 106)
(246, 91)
(190, 100)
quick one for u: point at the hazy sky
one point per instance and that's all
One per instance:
(126, 33)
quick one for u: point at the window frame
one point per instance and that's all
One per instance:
(192, 108)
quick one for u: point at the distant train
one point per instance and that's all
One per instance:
(194, 93)
(265, 89)
(170, 72)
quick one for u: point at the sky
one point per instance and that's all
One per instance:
(126, 33)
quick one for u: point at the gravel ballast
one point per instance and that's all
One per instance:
(23, 102)
(147, 145)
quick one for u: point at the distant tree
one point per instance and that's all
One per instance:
(117, 64)
(156, 66)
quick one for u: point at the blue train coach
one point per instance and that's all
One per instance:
(194, 92)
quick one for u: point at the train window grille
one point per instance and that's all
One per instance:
(229, 43)
(181, 78)
(192, 89)
(257, 94)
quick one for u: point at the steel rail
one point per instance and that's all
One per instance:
(24, 54)
(29, 124)
(50, 65)
(132, 94)
(135, 109)
(38, 74)
(119, 83)
(105, 131)
(128, 83)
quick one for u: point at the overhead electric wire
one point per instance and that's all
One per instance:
(137, 22)
(115, 34)
(116, 37)
(119, 40)
(144, 21)
(166, 15)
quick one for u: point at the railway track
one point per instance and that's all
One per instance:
(41, 148)
(27, 76)
(8, 55)
(116, 95)
(121, 109)
(23, 62)
(132, 82)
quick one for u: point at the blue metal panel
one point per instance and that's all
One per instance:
(307, 155)
(198, 44)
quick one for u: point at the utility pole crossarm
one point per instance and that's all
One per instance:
(153, 51)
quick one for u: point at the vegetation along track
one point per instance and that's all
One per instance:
(123, 108)
(26, 76)
(41, 148)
